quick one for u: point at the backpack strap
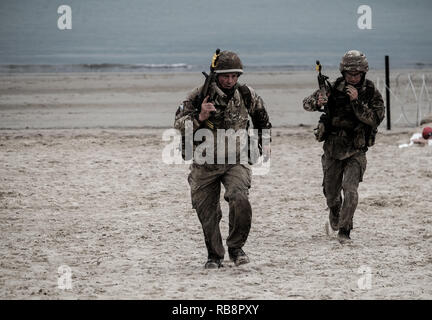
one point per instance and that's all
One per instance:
(370, 89)
(246, 95)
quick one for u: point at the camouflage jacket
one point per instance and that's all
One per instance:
(350, 127)
(231, 113)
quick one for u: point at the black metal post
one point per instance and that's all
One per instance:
(387, 81)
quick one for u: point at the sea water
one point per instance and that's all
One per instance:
(182, 35)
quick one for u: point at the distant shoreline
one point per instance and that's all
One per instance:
(168, 68)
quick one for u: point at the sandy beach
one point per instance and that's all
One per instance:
(83, 185)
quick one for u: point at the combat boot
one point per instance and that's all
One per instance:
(213, 263)
(344, 235)
(238, 256)
(334, 218)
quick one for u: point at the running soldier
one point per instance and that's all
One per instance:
(354, 109)
(226, 106)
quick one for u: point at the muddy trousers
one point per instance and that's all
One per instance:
(343, 177)
(205, 182)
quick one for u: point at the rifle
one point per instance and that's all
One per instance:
(209, 79)
(324, 85)
(325, 89)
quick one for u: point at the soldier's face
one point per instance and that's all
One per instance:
(227, 80)
(353, 78)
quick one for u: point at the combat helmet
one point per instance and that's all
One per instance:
(353, 61)
(228, 62)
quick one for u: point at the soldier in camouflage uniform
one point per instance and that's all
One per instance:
(229, 108)
(354, 109)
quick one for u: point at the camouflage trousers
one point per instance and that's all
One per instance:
(343, 176)
(205, 182)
